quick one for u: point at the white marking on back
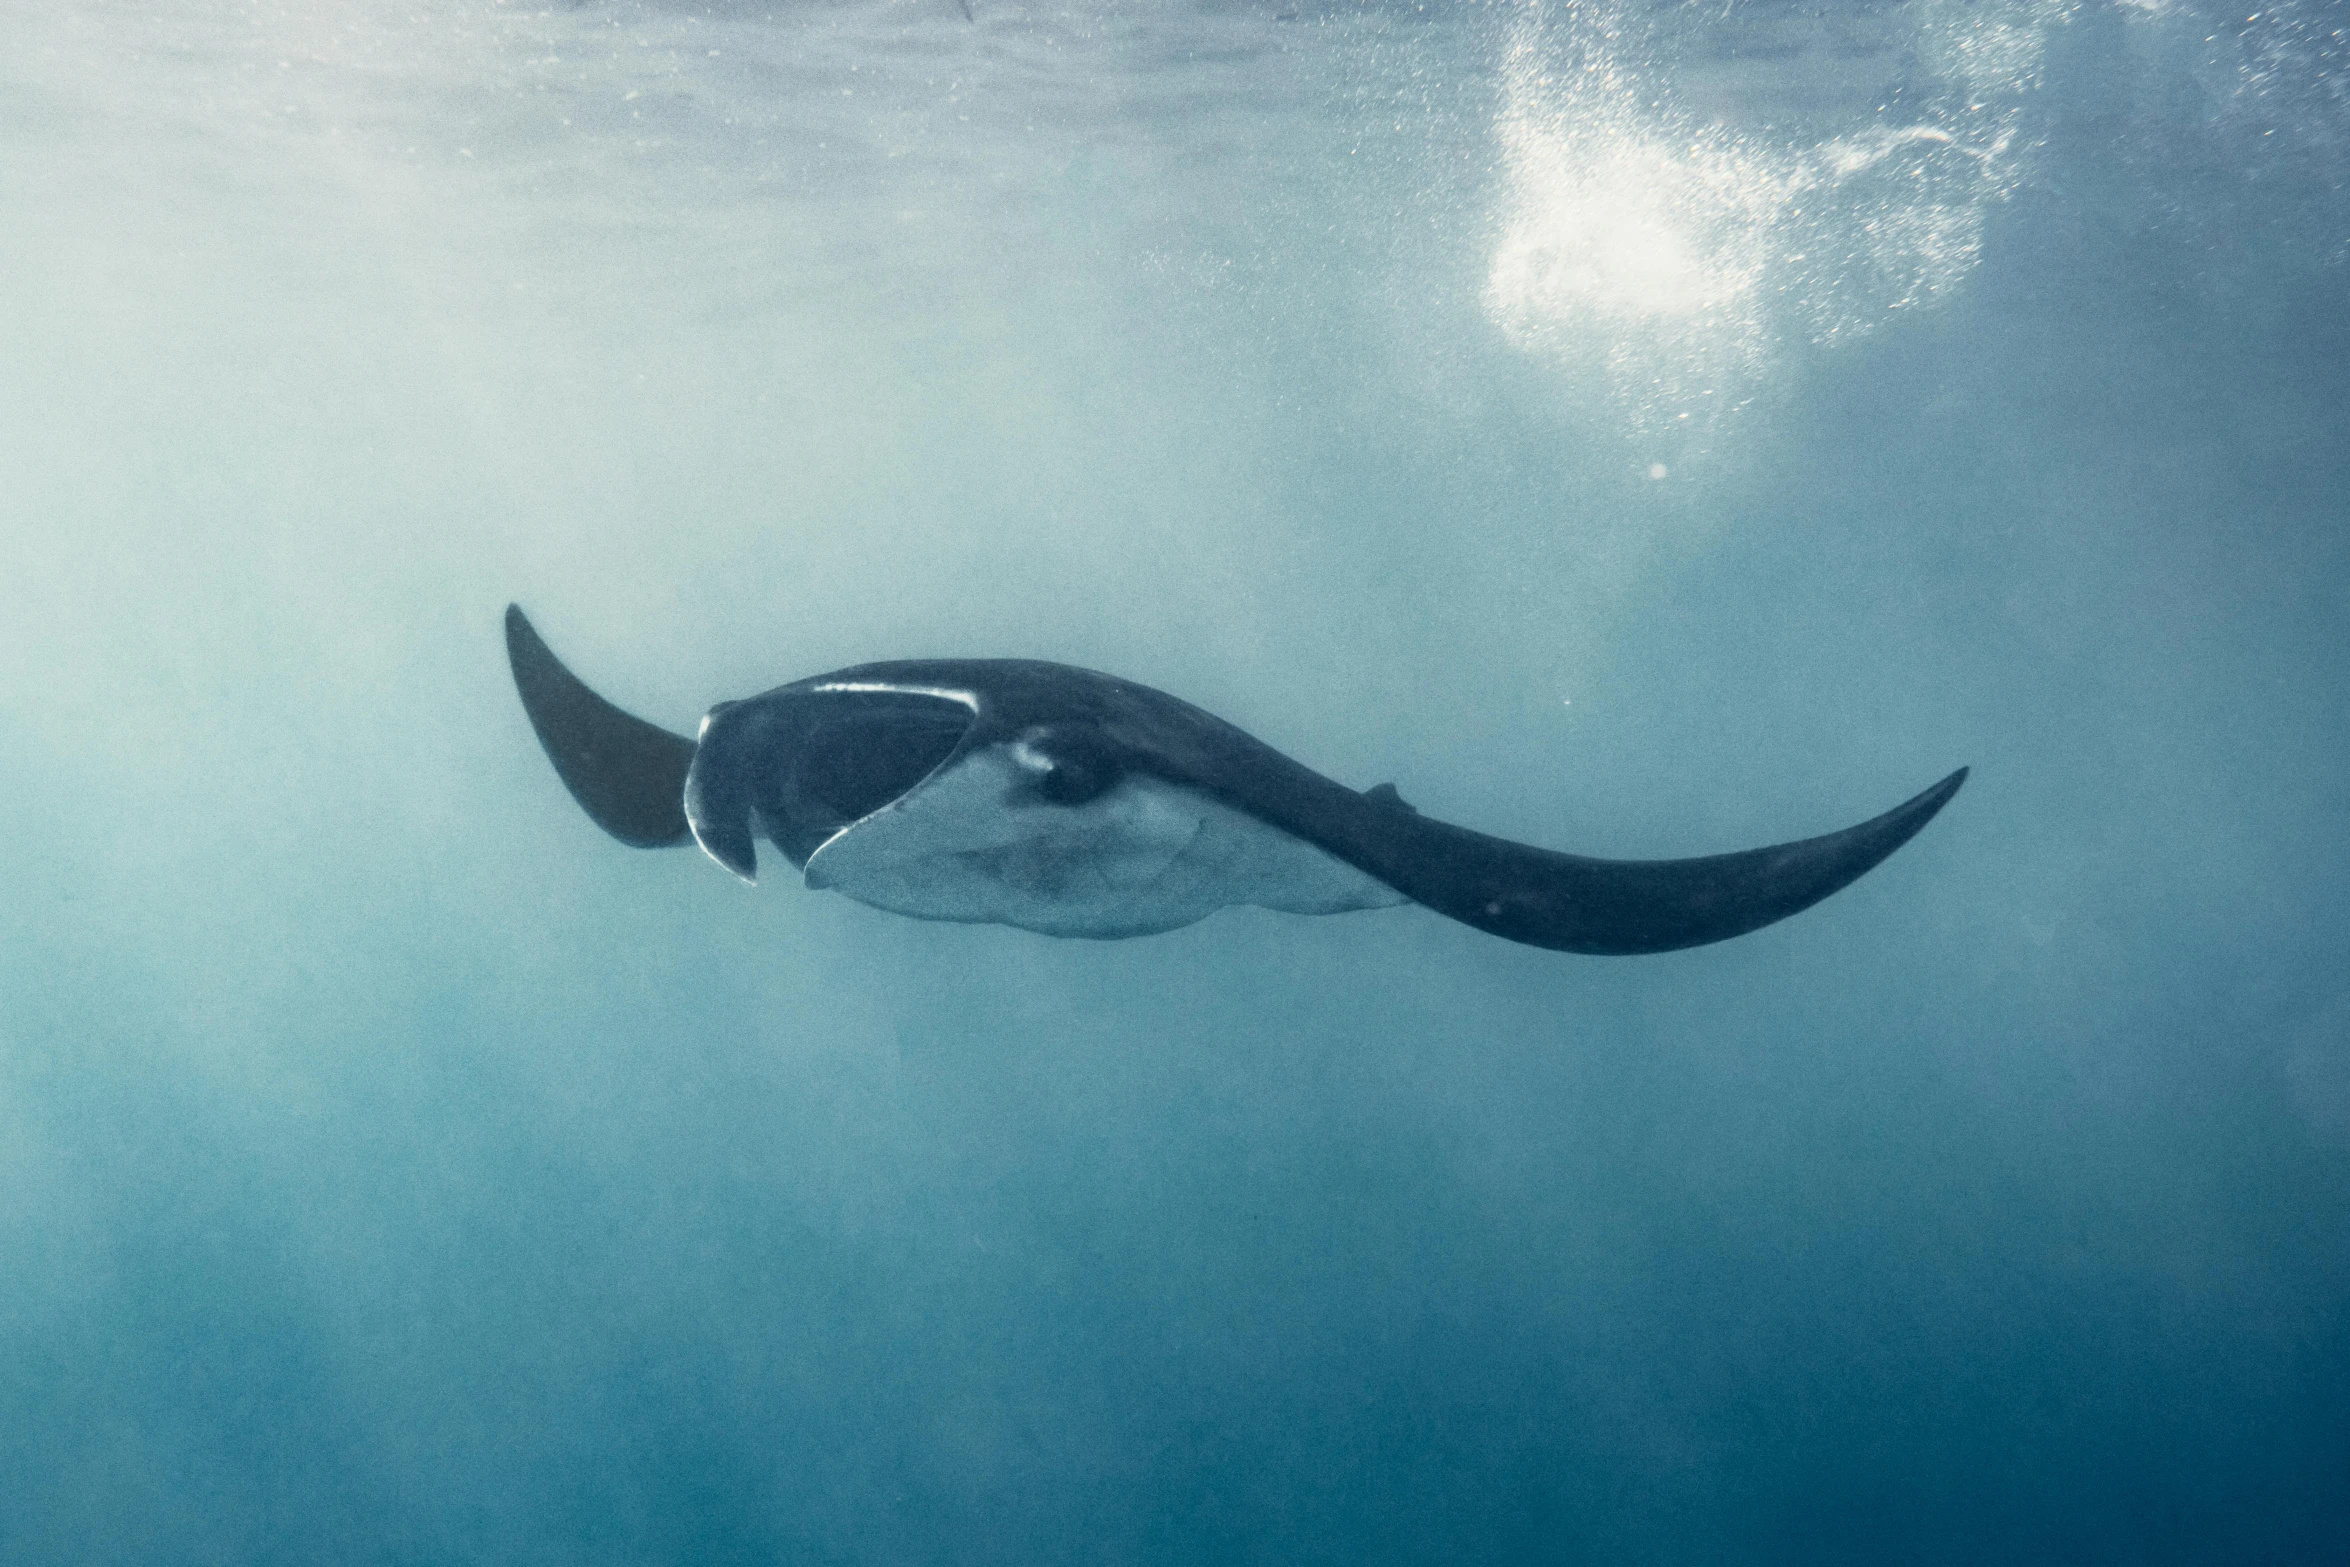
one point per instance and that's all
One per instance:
(973, 843)
(883, 687)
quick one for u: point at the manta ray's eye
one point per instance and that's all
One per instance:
(1067, 766)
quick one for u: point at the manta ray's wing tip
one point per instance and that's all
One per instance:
(1921, 808)
(1731, 894)
(628, 775)
(1810, 870)
(1618, 907)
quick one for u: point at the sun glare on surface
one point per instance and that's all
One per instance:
(1672, 254)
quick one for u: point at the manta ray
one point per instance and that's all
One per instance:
(1056, 799)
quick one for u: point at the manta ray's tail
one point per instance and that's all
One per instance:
(628, 775)
(1572, 904)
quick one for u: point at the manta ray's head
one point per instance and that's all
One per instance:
(800, 763)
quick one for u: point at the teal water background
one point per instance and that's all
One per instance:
(1642, 431)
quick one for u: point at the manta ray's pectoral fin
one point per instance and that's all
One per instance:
(628, 775)
(1572, 904)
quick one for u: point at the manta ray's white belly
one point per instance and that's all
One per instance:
(975, 844)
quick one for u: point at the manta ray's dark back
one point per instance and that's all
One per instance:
(1068, 724)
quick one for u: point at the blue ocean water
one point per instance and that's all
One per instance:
(1638, 429)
